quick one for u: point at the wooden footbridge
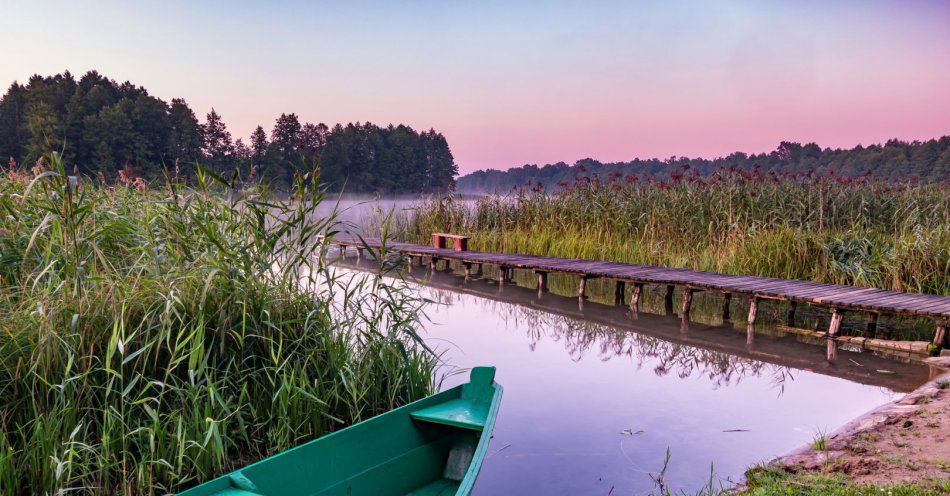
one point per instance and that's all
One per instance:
(838, 298)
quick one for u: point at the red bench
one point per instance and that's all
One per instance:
(459, 243)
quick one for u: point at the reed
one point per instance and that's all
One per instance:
(151, 340)
(859, 231)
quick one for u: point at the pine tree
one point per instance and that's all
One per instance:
(216, 144)
(186, 139)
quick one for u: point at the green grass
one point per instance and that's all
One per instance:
(774, 482)
(858, 232)
(150, 340)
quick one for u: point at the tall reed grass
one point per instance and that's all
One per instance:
(859, 231)
(151, 340)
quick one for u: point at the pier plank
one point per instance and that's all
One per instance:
(823, 294)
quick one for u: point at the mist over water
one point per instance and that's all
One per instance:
(357, 213)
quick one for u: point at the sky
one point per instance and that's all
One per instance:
(510, 83)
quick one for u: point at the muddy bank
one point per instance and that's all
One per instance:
(903, 441)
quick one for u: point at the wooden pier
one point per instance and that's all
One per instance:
(838, 298)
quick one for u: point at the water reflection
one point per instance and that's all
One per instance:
(593, 397)
(581, 338)
(723, 353)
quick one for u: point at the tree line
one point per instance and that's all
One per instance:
(926, 161)
(102, 127)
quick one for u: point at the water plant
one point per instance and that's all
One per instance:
(860, 231)
(153, 339)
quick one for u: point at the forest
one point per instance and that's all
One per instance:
(927, 161)
(102, 127)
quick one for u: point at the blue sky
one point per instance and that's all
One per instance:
(524, 82)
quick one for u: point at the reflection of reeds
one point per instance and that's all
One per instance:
(581, 337)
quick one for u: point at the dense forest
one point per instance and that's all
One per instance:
(925, 161)
(103, 127)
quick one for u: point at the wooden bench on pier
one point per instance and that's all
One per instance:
(459, 242)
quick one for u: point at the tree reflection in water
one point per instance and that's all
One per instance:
(581, 338)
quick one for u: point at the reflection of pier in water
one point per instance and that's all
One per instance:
(722, 352)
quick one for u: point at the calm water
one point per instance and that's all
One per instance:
(593, 398)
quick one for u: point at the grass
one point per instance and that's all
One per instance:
(150, 340)
(768, 481)
(862, 232)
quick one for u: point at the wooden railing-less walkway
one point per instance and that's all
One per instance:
(837, 297)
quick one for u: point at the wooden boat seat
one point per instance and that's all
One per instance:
(457, 413)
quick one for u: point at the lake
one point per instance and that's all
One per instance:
(594, 398)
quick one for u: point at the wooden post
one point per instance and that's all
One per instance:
(619, 290)
(359, 254)
(687, 301)
(409, 264)
(635, 297)
(468, 270)
(790, 313)
(502, 275)
(542, 281)
(940, 334)
(582, 287)
(432, 262)
(753, 309)
(836, 317)
(872, 324)
(726, 302)
(750, 323)
(668, 298)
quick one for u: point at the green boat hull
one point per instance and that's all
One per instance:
(434, 446)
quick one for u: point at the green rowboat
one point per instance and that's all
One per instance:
(433, 446)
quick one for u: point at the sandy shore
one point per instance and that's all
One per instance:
(907, 440)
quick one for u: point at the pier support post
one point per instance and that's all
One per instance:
(468, 270)
(582, 287)
(619, 290)
(871, 328)
(687, 302)
(790, 313)
(836, 317)
(753, 309)
(940, 334)
(503, 276)
(750, 323)
(668, 299)
(542, 281)
(726, 303)
(635, 297)
(432, 263)
(872, 324)
(359, 255)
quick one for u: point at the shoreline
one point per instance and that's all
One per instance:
(902, 441)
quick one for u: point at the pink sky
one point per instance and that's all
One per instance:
(530, 82)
